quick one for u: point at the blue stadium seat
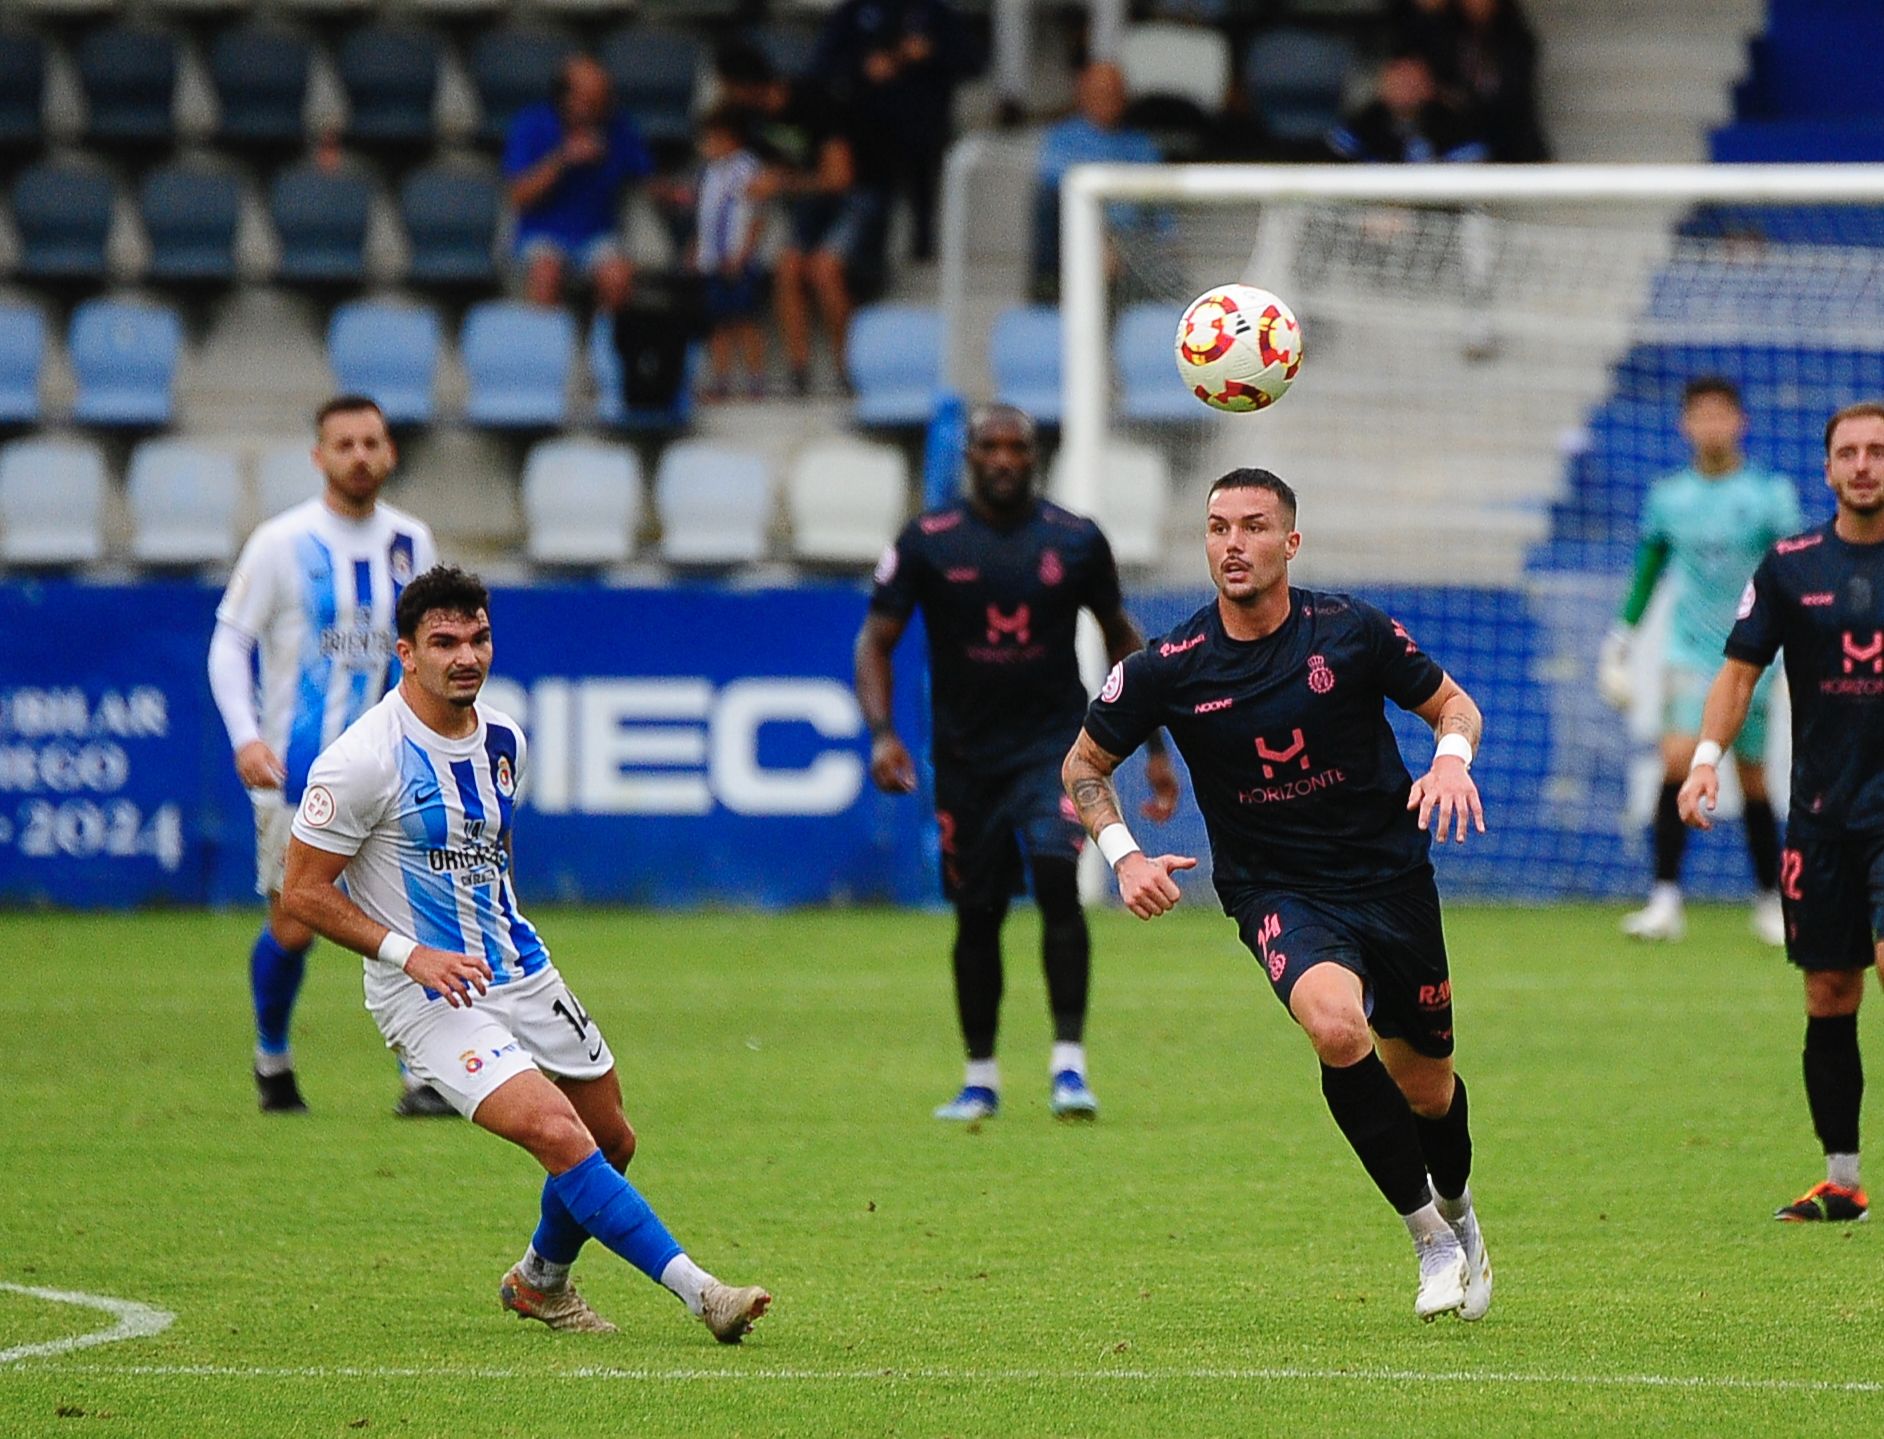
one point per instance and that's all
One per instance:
(655, 73)
(1025, 354)
(190, 215)
(52, 500)
(1142, 344)
(451, 216)
(893, 355)
(391, 78)
(321, 220)
(22, 353)
(182, 498)
(1295, 78)
(389, 352)
(63, 214)
(124, 357)
(512, 68)
(22, 93)
(261, 74)
(517, 358)
(605, 369)
(129, 73)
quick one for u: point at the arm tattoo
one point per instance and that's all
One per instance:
(1087, 776)
(1464, 721)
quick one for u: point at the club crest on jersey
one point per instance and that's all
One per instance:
(1320, 678)
(318, 807)
(1115, 683)
(504, 777)
(1747, 598)
(399, 565)
(1052, 569)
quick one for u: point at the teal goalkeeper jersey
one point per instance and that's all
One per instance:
(1716, 531)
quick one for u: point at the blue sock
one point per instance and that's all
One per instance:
(600, 1201)
(558, 1237)
(274, 981)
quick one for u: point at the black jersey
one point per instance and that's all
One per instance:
(1821, 600)
(1000, 607)
(1291, 757)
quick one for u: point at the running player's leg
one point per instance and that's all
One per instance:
(1762, 828)
(277, 962)
(1052, 836)
(980, 873)
(1664, 916)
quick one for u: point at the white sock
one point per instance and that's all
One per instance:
(1842, 1170)
(540, 1273)
(282, 1063)
(1426, 1223)
(1453, 1210)
(1068, 1056)
(983, 1074)
(1666, 891)
(689, 1281)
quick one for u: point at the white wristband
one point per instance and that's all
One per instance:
(1456, 745)
(1115, 842)
(396, 948)
(1707, 752)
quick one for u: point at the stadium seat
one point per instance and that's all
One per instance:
(1025, 353)
(610, 409)
(129, 74)
(124, 357)
(63, 215)
(1142, 358)
(52, 498)
(390, 73)
(790, 47)
(389, 352)
(284, 477)
(517, 358)
(190, 216)
(581, 503)
(22, 353)
(846, 499)
(321, 220)
(260, 74)
(22, 93)
(714, 503)
(451, 216)
(656, 72)
(1296, 79)
(894, 357)
(1132, 502)
(1189, 62)
(511, 68)
(182, 499)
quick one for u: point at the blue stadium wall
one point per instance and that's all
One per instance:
(694, 745)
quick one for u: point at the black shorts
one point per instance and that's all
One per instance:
(987, 820)
(1832, 891)
(1395, 943)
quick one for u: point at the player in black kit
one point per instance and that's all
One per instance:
(1001, 577)
(1320, 845)
(1819, 596)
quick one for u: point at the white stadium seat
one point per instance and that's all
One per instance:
(581, 502)
(846, 499)
(1133, 500)
(1162, 57)
(52, 496)
(715, 504)
(182, 499)
(285, 477)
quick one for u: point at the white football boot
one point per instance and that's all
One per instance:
(1478, 1270)
(1662, 918)
(1442, 1276)
(1769, 919)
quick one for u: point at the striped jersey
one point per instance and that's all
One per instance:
(425, 823)
(725, 210)
(316, 591)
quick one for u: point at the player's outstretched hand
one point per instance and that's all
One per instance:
(452, 975)
(1446, 791)
(1164, 789)
(1700, 793)
(259, 767)
(1146, 885)
(891, 768)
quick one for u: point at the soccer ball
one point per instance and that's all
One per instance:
(1238, 348)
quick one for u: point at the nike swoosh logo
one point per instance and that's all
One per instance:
(595, 1054)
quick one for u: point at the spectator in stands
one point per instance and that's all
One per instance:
(727, 226)
(896, 62)
(836, 196)
(1408, 121)
(1093, 134)
(1496, 64)
(567, 161)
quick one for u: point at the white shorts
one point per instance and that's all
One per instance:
(465, 1054)
(274, 826)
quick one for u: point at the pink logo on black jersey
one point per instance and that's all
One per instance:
(1052, 569)
(1871, 652)
(1274, 960)
(1748, 598)
(962, 575)
(1320, 677)
(1296, 749)
(1803, 542)
(1815, 602)
(1167, 649)
(1115, 683)
(936, 524)
(1017, 626)
(1400, 630)
(1212, 706)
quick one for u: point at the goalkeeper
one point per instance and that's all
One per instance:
(1709, 524)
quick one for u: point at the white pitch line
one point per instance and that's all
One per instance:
(135, 1321)
(987, 1376)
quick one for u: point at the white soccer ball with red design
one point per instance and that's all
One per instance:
(1238, 348)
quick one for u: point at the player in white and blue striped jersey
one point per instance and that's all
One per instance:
(314, 592)
(402, 852)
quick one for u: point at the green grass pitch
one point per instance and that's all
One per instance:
(1207, 1259)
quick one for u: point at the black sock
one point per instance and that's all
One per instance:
(978, 977)
(1065, 946)
(1762, 843)
(1447, 1144)
(1373, 1114)
(1834, 1080)
(1671, 836)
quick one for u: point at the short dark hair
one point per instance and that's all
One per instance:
(1251, 478)
(443, 587)
(346, 405)
(1703, 385)
(740, 63)
(1863, 410)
